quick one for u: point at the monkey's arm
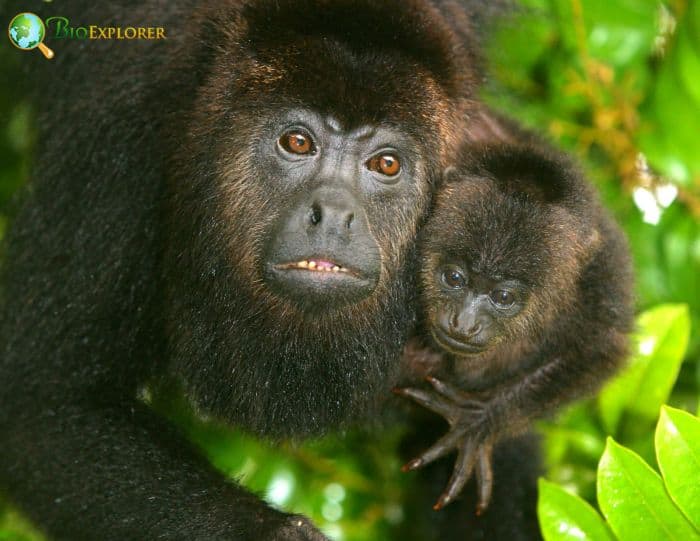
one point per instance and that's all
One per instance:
(79, 333)
(477, 423)
(128, 475)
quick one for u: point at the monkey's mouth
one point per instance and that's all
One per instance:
(455, 346)
(317, 265)
(319, 278)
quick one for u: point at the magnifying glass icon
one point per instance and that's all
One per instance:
(27, 32)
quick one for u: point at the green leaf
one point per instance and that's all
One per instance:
(564, 516)
(632, 497)
(644, 386)
(671, 116)
(678, 454)
(621, 32)
(14, 527)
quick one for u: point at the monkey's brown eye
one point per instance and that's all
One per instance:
(503, 297)
(297, 142)
(453, 278)
(387, 164)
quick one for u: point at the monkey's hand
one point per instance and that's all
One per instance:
(419, 361)
(469, 435)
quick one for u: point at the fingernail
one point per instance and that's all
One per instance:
(442, 501)
(412, 465)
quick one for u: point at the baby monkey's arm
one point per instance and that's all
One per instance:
(467, 416)
(478, 421)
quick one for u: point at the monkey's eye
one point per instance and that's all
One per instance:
(503, 297)
(388, 165)
(297, 142)
(453, 278)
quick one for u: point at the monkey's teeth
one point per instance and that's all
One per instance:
(322, 266)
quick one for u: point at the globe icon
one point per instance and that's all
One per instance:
(27, 31)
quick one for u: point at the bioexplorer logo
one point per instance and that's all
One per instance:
(27, 31)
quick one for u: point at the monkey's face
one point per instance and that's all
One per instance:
(323, 167)
(332, 242)
(488, 276)
(471, 312)
(503, 250)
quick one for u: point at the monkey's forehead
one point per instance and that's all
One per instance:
(497, 237)
(385, 40)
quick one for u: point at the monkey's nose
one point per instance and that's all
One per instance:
(467, 333)
(476, 329)
(462, 333)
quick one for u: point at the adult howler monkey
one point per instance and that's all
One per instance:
(235, 207)
(526, 290)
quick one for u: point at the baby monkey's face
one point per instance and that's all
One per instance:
(470, 312)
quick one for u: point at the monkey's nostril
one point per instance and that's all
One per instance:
(316, 214)
(476, 329)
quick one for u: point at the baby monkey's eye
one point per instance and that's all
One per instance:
(503, 297)
(453, 278)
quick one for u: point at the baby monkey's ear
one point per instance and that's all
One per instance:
(591, 245)
(450, 174)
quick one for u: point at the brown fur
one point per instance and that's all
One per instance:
(519, 215)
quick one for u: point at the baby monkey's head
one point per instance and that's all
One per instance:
(504, 247)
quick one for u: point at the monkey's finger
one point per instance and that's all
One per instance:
(444, 445)
(484, 478)
(464, 465)
(448, 390)
(429, 400)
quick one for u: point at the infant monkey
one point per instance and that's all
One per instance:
(526, 291)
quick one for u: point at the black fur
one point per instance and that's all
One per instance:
(135, 254)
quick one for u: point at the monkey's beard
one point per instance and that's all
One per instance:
(251, 364)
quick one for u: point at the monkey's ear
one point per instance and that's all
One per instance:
(583, 239)
(450, 174)
(592, 240)
(488, 127)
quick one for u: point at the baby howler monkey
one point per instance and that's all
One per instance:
(526, 291)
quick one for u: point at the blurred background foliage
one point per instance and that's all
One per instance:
(617, 83)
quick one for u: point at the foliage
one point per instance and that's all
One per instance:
(637, 502)
(617, 83)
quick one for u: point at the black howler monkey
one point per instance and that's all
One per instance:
(236, 207)
(526, 289)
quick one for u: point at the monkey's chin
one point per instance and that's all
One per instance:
(456, 347)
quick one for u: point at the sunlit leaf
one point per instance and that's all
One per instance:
(661, 342)
(678, 455)
(566, 517)
(633, 499)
